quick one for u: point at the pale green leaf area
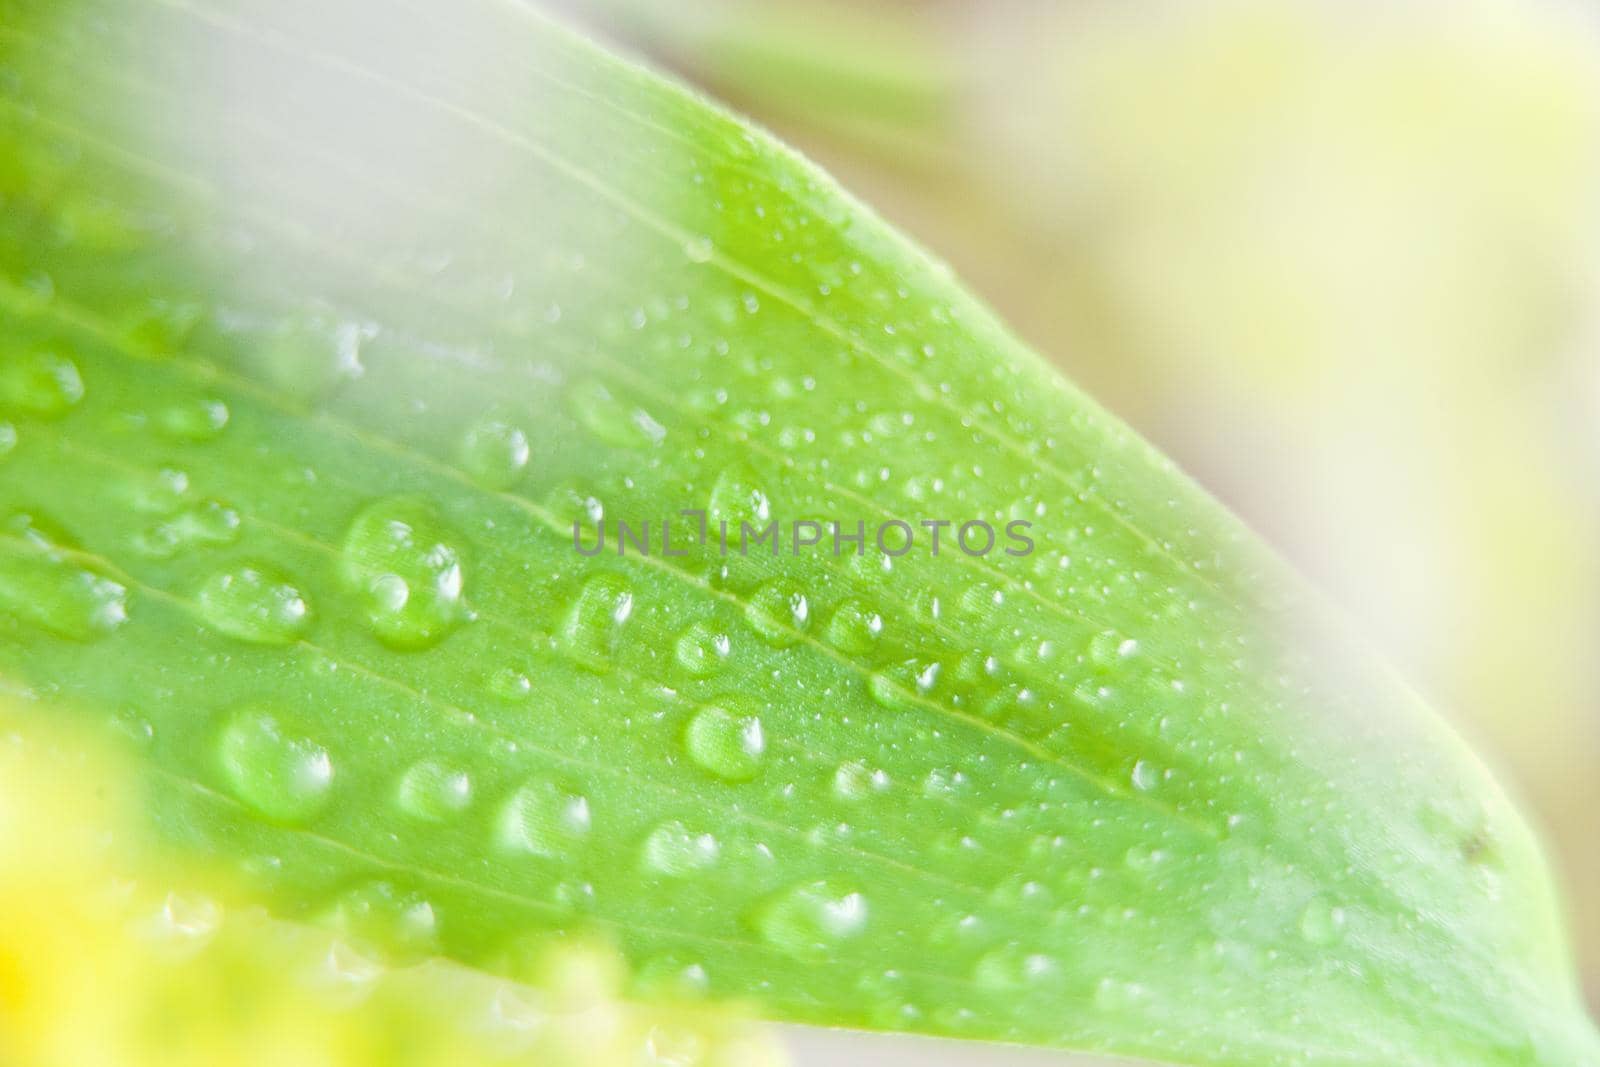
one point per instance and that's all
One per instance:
(321, 326)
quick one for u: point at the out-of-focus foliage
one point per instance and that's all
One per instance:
(113, 954)
(1340, 258)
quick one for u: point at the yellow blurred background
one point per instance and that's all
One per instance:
(1338, 257)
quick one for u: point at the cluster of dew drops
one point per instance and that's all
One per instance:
(406, 569)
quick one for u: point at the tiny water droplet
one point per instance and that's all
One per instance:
(674, 850)
(1108, 647)
(854, 780)
(944, 782)
(1145, 776)
(407, 571)
(1113, 995)
(255, 602)
(195, 420)
(434, 791)
(699, 249)
(669, 975)
(728, 746)
(594, 623)
(495, 453)
(1013, 967)
(810, 920)
(510, 686)
(1144, 858)
(274, 769)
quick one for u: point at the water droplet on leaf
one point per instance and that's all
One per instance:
(674, 850)
(407, 571)
(43, 584)
(1322, 922)
(495, 453)
(544, 819)
(727, 745)
(594, 623)
(702, 650)
(40, 383)
(779, 612)
(811, 920)
(273, 768)
(434, 791)
(255, 602)
(195, 420)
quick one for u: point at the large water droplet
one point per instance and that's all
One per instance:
(611, 419)
(43, 583)
(727, 745)
(275, 769)
(407, 570)
(737, 497)
(434, 791)
(495, 453)
(40, 383)
(779, 612)
(8, 438)
(702, 650)
(674, 850)
(809, 921)
(902, 686)
(854, 628)
(544, 819)
(255, 602)
(593, 624)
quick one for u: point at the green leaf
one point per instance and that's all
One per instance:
(321, 331)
